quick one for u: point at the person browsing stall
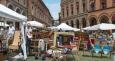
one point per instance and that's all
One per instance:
(29, 37)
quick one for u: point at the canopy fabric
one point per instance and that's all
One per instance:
(75, 29)
(86, 28)
(102, 26)
(3, 24)
(64, 26)
(8, 13)
(35, 23)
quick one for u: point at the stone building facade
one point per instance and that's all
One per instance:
(74, 12)
(82, 13)
(33, 9)
(38, 11)
(101, 11)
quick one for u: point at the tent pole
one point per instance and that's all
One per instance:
(23, 45)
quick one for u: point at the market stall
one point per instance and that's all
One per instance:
(11, 15)
(58, 38)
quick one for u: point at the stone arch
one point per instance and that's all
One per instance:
(104, 18)
(10, 6)
(92, 21)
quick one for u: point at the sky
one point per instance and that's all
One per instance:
(54, 7)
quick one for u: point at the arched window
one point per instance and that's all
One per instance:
(104, 19)
(92, 5)
(77, 23)
(11, 7)
(92, 21)
(18, 10)
(103, 4)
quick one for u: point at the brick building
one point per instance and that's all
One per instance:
(82, 13)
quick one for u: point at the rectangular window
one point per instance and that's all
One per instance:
(71, 9)
(67, 11)
(103, 4)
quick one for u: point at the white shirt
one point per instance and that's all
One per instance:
(11, 30)
(29, 31)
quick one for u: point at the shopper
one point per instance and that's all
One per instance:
(29, 37)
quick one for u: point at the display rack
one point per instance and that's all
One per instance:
(35, 39)
(34, 42)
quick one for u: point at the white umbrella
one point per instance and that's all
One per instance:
(35, 23)
(103, 26)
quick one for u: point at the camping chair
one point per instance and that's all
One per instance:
(16, 41)
(106, 49)
(96, 49)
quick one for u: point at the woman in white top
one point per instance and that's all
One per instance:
(29, 37)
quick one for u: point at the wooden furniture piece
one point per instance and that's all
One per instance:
(15, 42)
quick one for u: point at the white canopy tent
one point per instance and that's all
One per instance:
(102, 26)
(35, 24)
(10, 14)
(64, 26)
